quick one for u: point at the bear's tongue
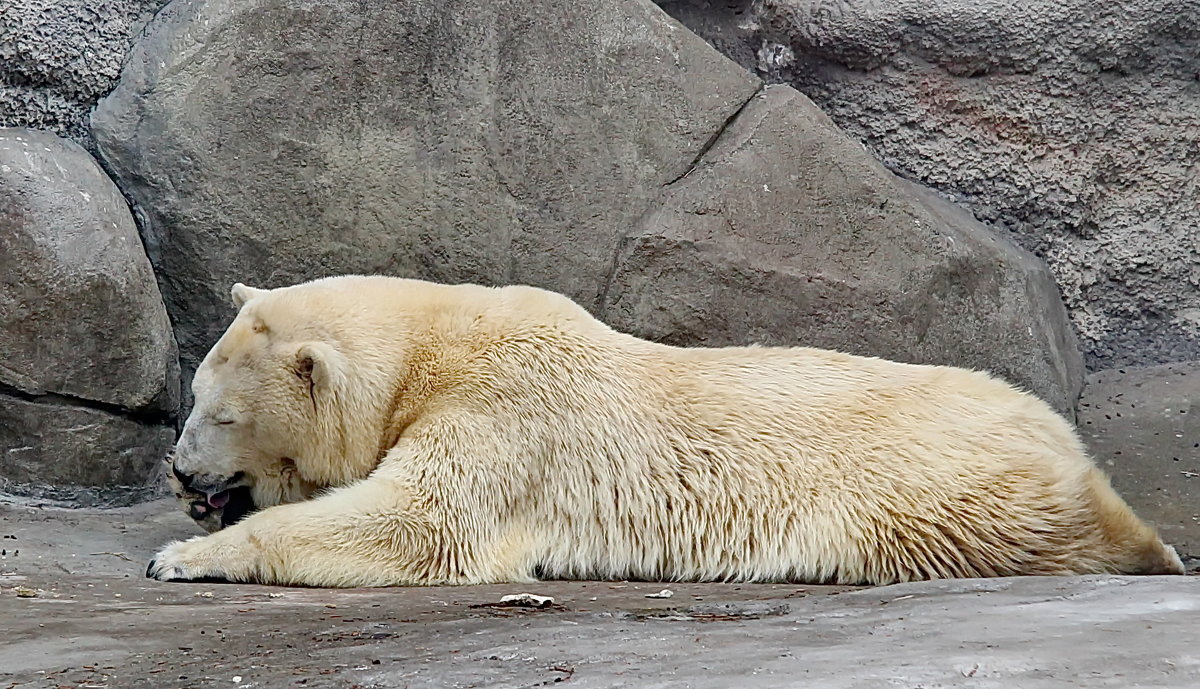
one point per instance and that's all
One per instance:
(218, 500)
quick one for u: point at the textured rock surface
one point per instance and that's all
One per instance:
(58, 57)
(78, 455)
(80, 313)
(786, 233)
(277, 142)
(1141, 426)
(95, 621)
(1076, 125)
(89, 375)
(272, 142)
(730, 26)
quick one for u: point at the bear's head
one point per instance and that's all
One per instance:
(270, 418)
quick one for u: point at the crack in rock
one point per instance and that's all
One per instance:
(140, 416)
(712, 140)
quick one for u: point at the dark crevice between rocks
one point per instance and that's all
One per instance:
(146, 417)
(712, 140)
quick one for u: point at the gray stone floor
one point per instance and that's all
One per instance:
(96, 622)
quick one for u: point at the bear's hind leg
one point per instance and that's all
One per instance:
(1133, 547)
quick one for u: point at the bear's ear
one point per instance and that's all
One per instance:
(242, 294)
(319, 364)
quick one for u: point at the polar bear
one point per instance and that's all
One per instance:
(398, 432)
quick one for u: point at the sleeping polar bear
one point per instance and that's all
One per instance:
(396, 432)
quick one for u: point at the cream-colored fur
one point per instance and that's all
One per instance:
(470, 435)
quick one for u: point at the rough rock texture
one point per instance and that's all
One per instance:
(515, 142)
(80, 313)
(95, 621)
(89, 374)
(1076, 125)
(788, 233)
(272, 142)
(730, 26)
(1141, 425)
(74, 454)
(58, 57)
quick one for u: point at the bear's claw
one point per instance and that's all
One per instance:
(166, 572)
(174, 573)
(190, 561)
(202, 559)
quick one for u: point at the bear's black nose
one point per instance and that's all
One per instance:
(185, 480)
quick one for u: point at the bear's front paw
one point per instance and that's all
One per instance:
(203, 558)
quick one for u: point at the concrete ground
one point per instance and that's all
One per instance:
(75, 611)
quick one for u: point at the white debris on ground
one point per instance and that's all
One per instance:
(528, 600)
(665, 593)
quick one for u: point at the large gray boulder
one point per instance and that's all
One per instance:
(89, 374)
(80, 312)
(1073, 124)
(552, 144)
(274, 142)
(789, 234)
(58, 57)
(1141, 425)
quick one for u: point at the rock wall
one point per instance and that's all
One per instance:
(58, 57)
(1141, 425)
(788, 232)
(89, 372)
(601, 150)
(1073, 126)
(549, 144)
